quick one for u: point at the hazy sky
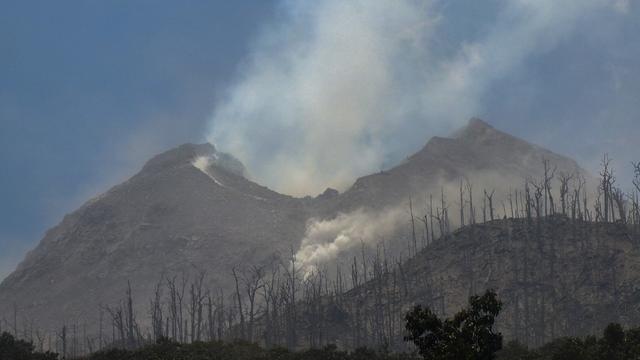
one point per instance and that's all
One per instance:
(90, 89)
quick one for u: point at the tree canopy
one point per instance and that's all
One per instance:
(469, 335)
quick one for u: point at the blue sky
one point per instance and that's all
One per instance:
(91, 89)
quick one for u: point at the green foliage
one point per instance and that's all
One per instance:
(469, 335)
(12, 349)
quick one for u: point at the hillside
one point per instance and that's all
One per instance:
(556, 277)
(489, 158)
(171, 218)
(192, 210)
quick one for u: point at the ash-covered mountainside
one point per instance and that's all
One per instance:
(191, 209)
(185, 211)
(555, 275)
(487, 157)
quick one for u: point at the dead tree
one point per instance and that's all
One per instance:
(40, 341)
(157, 321)
(431, 217)
(210, 323)
(425, 221)
(513, 212)
(239, 302)
(549, 207)
(461, 204)
(270, 297)
(364, 261)
(527, 202)
(130, 318)
(100, 327)
(252, 283)
(180, 295)
(173, 307)
(196, 304)
(63, 338)
(618, 198)
(606, 183)
(444, 225)
(565, 179)
(176, 307)
(578, 211)
(635, 195)
(472, 218)
(117, 323)
(538, 202)
(489, 197)
(15, 320)
(220, 315)
(290, 299)
(413, 227)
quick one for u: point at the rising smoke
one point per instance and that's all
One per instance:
(326, 239)
(338, 88)
(321, 90)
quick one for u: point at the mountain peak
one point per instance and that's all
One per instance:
(476, 131)
(180, 155)
(478, 123)
(475, 128)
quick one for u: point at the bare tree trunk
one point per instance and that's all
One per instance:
(413, 227)
(472, 218)
(253, 283)
(461, 204)
(489, 197)
(239, 303)
(130, 317)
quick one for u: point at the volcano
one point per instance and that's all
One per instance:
(193, 210)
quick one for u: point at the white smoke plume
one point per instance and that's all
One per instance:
(325, 240)
(320, 90)
(338, 88)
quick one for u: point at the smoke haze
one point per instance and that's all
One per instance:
(338, 89)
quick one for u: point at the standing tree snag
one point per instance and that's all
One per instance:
(606, 184)
(239, 302)
(636, 171)
(489, 197)
(472, 217)
(461, 204)
(549, 206)
(413, 228)
(564, 190)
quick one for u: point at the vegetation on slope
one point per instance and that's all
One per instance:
(469, 335)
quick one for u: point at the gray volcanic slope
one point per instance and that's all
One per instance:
(489, 158)
(169, 218)
(175, 216)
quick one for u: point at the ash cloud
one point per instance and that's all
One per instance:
(338, 89)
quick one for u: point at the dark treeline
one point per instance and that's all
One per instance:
(360, 305)
(165, 349)
(614, 343)
(469, 334)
